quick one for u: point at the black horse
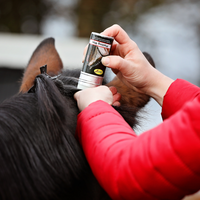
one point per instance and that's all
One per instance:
(40, 155)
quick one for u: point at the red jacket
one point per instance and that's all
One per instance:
(162, 163)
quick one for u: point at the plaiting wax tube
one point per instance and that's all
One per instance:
(93, 70)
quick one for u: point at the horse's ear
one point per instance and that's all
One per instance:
(129, 96)
(45, 54)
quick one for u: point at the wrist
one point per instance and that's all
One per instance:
(159, 86)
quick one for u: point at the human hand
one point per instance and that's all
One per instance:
(87, 96)
(128, 62)
(131, 66)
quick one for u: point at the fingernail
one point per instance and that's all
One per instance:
(105, 61)
(83, 58)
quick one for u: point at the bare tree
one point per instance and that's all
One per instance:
(90, 14)
(99, 14)
(22, 16)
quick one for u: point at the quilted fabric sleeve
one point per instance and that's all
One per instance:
(162, 163)
(177, 95)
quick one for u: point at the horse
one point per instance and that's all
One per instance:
(40, 155)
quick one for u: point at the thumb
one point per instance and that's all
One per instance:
(116, 63)
(121, 67)
(77, 95)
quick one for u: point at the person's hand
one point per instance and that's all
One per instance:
(131, 66)
(87, 96)
(127, 61)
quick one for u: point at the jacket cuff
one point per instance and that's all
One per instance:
(179, 92)
(94, 109)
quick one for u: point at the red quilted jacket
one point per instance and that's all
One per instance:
(162, 163)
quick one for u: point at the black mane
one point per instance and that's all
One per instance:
(39, 154)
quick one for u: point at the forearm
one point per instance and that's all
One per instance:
(144, 167)
(157, 85)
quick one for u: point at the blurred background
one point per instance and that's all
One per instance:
(168, 30)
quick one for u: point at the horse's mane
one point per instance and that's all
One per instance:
(39, 154)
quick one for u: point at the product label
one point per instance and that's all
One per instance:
(99, 46)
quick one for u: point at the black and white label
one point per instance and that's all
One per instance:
(100, 44)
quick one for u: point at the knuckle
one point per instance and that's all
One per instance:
(117, 26)
(118, 61)
(134, 44)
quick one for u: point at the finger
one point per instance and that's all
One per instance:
(113, 90)
(118, 33)
(76, 95)
(117, 103)
(114, 47)
(84, 53)
(116, 63)
(116, 97)
(125, 44)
